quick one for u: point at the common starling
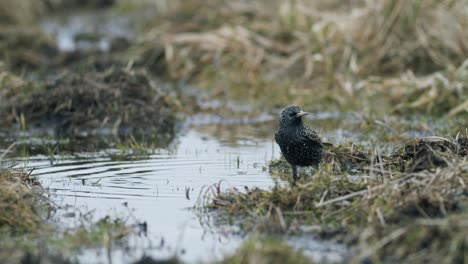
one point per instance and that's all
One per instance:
(300, 145)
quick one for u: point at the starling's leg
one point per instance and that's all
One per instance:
(294, 169)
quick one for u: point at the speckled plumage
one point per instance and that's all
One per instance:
(300, 145)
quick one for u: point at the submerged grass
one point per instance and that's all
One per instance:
(410, 204)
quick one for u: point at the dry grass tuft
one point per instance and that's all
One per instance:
(21, 206)
(395, 35)
(302, 37)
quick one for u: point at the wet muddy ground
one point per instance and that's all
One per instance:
(149, 147)
(163, 188)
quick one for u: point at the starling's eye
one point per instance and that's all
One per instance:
(292, 114)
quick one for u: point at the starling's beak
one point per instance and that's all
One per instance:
(301, 113)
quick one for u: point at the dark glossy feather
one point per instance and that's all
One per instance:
(300, 145)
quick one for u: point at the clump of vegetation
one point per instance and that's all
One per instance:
(21, 202)
(266, 251)
(429, 153)
(347, 158)
(397, 207)
(24, 215)
(126, 102)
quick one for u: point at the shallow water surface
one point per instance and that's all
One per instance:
(161, 190)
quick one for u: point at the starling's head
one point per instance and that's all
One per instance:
(292, 115)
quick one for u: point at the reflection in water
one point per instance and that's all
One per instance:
(154, 189)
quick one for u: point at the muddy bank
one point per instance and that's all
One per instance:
(394, 207)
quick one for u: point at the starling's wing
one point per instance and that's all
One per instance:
(312, 137)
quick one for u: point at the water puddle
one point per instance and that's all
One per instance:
(161, 189)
